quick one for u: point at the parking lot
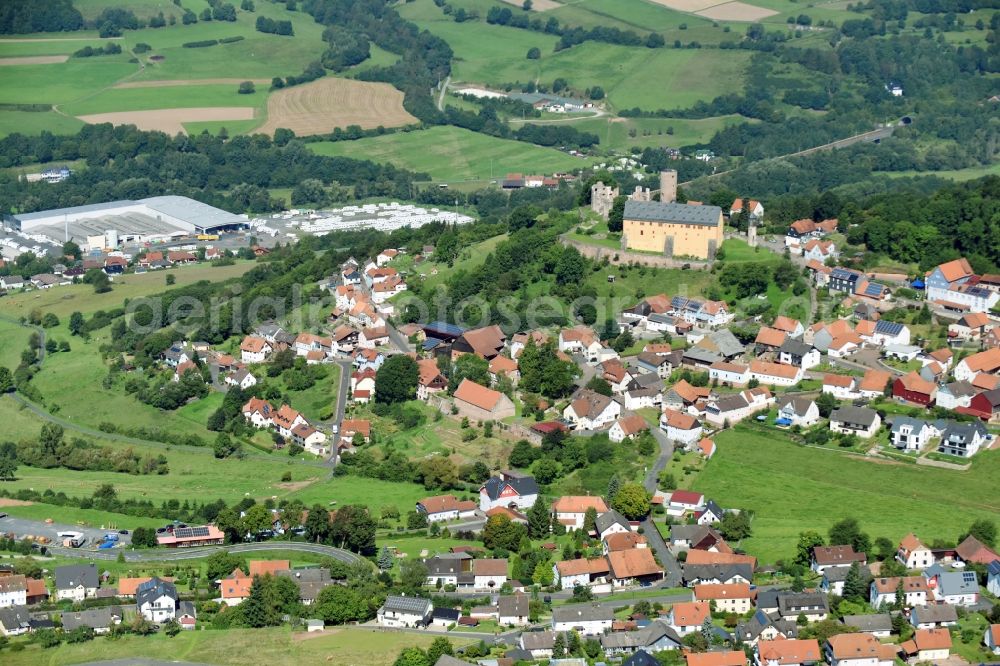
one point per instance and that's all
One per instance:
(21, 527)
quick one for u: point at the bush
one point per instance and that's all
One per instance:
(201, 44)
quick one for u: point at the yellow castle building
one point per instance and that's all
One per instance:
(676, 230)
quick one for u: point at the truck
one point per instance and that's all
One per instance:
(208, 237)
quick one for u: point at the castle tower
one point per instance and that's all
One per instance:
(752, 236)
(668, 186)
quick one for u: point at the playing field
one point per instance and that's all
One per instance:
(452, 153)
(793, 489)
(277, 646)
(321, 106)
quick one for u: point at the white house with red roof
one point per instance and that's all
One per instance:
(258, 412)
(445, 507)
(755, 209)
(254, 349)
(680, 426)
(571, 510)
(510, 489)
(682, 502)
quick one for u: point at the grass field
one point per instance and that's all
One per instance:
(83, 517)
(215, 126)
(792, 489)
(452, 153)
(17, 49)
(28, 123)
(617, 133)
(357, 490)
(142, 99)
(15, 340)
(55, 84)
(275, 646)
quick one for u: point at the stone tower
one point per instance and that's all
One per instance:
(668, 186)
(602, 197)
(752, 236)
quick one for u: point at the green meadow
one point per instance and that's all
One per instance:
(452, 153)
(147, 99)
(792, 488)
(64, 82)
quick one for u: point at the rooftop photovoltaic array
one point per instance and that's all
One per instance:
(188, 532)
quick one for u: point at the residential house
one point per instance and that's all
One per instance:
(366, 358)
(985, 405)
(883, 591)
(970, 327)
(37, 591)
(765, 627)
(371, 337)
(827, 557)
(928, 646)
(15, 620)
(445, 507)
(628, 426)
(754, 208)
(450, 569)
(934, 615)
(485, 342)
(717, 658)
(13, 591)
(489, 574)
(992, 638)
(101, 620)
(874, 383)
(789, 652)
(538, 643)
(258, 412)
(511, 490)
(698, 537)
(735, 407)
(955, 394)
(633, 567)
(775, 374)
(254, 349)
(802, 412)
(993, 577)
(707, 448)
(695, 574)
(404, 612)
(638, 643)
(878, 625)
(970, 551)
(431, 380)
(11, 282)
(156, 600)
(680, 427)
(963, 439)
(913, 554)
(612, 522)
(954, 286)
(646, 390)
(349, 428)
(687, 617)
(286, 419)
(585, 619)
(589, 410)
(616, 375)
(445, 618)
(311, 439)
(242, 378)
(725, 373)
(958, 588)
(800, 354)
(502, 366)
(818, 250)
(483, 404)
(834, 579)
(858, 650)
(659, 364)
(513, 610)
(910, 434)
(682, 394)
(623, 541)
(571, 510)
(571, 573)
(76, 582)
(682, 502)
(812, 605)
(734, 598)
(914, 388)
(860, 421)
(987, 362)
(842, 387)
(768, 340)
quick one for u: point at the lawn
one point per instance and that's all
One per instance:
(738, 251)
(146, 99)
(358, 490)
(793, 489)
(15, 340)
(452, 153)
(64, 82)
(30, 123)
(277, 646)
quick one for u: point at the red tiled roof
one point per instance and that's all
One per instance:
(579, 504)
(477, 396)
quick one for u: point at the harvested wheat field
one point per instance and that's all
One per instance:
(188, 82)
(736, 11)
(170, 120)
(34, 60)
(324, 105)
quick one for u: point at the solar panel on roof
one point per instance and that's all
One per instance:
(969, 577)
(873, 289)
(189, 532)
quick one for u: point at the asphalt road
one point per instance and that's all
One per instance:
(672, 574)
(21, 527)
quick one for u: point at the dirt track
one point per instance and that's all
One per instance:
(34, 60)
(323, 105)
(170, 120)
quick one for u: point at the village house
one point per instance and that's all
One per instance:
(775, 374)
(101, 620)
(768, 340)
(585, 619)
(755, 209)
(813, 605)
(800, 354)
(934, 615)
(970, 327)
(156, 600)
(683, 394)
(682, 502)
(580, 572)
(910, 434)
(483, 404)
(720, 658)
(404, 612)
(570, 510)
(957, 588)
(15, 621)
(628, 426)
(955, 394)
(878, 625)
(511, 490)
(698, 537)
(834, 579)
(489, 574)
(913, 554)
(952, 285)
(727, 598)
(992, 638)
(860, 421)
(789, 652)
(371, 337)
(445, 507)
(883, 591)
(430, 380)
(589, 410)
(538, 644)
(911, 387)
(970, 551)
(687, 617)
(858, 650)
(873, 383)
(504, 367)
(826, 557)
(819, 250)
(13, 591)
(310, 439)
(254, 349)
(633, 567)
(76, 582)
(612, 522)
(615, 374)
(680, 427)
(842, 387)
(513, 610)
(795, 411)
(985, 406)
(616, 541)
(963, 439)
(984, 362)
(485, 342)
(928, 646)
(733, 374)
(659, 363)
(645, 390)
(735, 407)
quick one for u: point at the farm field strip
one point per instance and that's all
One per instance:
(170, 121)
(34, 60)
